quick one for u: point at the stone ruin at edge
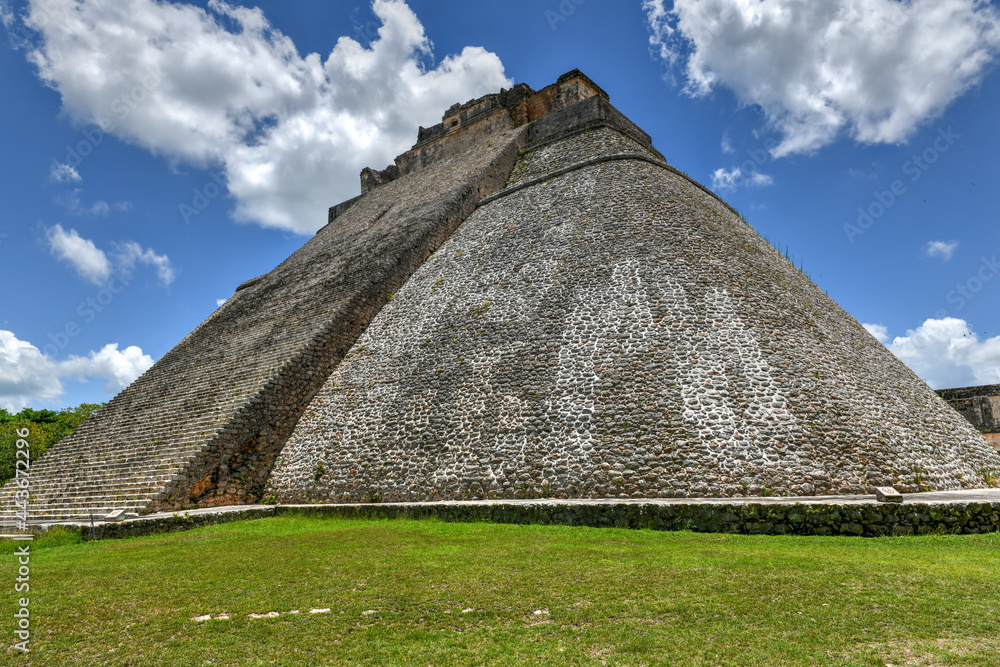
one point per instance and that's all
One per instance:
(530, 302)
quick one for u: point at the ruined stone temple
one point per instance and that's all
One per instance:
(980, 405)
(530, 302)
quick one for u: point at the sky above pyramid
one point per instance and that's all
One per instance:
(158, 154)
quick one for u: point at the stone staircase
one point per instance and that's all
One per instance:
(80, 483)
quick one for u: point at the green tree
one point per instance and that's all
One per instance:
(45, 427)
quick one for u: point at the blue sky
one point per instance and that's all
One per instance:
(155, 155)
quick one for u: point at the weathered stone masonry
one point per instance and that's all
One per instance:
(980, 405)
(604, 327)
(530, 302)
(204, 424)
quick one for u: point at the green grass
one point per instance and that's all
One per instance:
(399, 592)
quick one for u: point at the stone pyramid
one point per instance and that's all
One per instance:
(529, 303)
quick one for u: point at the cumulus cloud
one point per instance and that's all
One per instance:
(131, 253)
(876, 69)
(119, 368)
(219, 302)
(735, 177)
(28, 376)
(93, 264)
(63, 173)
(88, 260)
(946, 353)
(942, 249)
(222, 88)
(725, 180)
(880, 331)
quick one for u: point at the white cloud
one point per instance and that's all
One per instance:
(663, 32)
(725, 180)
(876, 69)
(88, 260)
(946, 353)
(27, 375)
(70, 200)
(942, 249)
(118, 368)
(63, 173)
(6, 14)
(734, 178)
(291, 132)
(219, 302)
(130, 253)
(93, 264)
(880, 331)
(727, 146)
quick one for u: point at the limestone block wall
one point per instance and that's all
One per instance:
(614, 330)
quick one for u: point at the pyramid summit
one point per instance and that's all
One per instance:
(530, 302)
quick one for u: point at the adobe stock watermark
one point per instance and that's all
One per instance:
(563, 11)
(966, 291)
(88, 310)
(914, 169)
(203, 196)
(122, 106)
(367, 31)
(22, 583)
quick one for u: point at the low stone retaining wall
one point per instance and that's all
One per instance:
(867, 520)
(798, 519)
(175, 523)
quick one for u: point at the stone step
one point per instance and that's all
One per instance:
(68, 467)
(110, 453)
(80, 508)
(109, 489)
(39, 483)
(99, 469)
(75, 516)
(101, 491)
(111, 458)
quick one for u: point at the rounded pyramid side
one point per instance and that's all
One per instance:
(604, 327)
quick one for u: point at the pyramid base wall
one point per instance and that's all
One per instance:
(861, 519)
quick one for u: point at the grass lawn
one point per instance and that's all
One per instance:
(433, 593)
